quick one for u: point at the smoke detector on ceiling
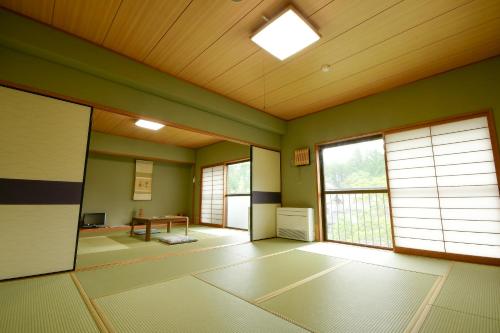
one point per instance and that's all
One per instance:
(326, 68)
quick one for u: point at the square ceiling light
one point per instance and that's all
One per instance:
(286, 34)
(148, 124)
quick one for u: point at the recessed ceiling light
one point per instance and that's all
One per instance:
(148, 124)
(286, 34)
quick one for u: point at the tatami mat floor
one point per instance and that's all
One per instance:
(223, 283)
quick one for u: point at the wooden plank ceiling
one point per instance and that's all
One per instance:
(123, 125)
(371, 46)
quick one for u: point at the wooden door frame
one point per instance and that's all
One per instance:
(226, 195)
(224, 164)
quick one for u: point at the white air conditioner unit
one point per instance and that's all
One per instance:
(295, 223)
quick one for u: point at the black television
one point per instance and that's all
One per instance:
(93, 220)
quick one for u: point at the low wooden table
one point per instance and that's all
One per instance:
(148, 221)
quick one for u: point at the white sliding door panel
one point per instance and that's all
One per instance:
(410, 164)
(409, 153)
(411, 136)
(408, 222)
(475, 249)
(266, 192)
(237, 212)
(264, 221)
(407, 173)
(420, 244)
(51, 239)
(464, 169)
(212, 195)
(43, 146)
(238, 195)
(408, 144)
(474, 226)
(413, 182)
(444, 188)
(414, 193)
(418, 192)
(430, 234)
(266, 170)
(460, 126)
(460, 137)
(414, 202)
(462, 147)
(462, 158)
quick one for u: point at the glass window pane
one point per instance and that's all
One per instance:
(238, 178)
(354, 166)
(238, 211)
(353, 214)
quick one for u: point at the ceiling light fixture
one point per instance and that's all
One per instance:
(286, 34)
(148, 124)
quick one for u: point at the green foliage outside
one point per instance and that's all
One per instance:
(365, 167)
(238, 178)
(357, 218)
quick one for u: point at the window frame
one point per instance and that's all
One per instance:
(323, 191)
(224, 164)
(496, 158)
(226, 194)
(223, 195)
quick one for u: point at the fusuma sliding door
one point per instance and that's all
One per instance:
(444, 188)
(212, 195)
(43, 145)
(266, 192)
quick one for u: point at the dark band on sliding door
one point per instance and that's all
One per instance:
(39, 192)
(266, 197)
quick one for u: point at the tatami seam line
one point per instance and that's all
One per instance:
(254, 304)
(179, 276)
(96, 315)
(154, 258)
(246, 260)
(420, 316)
(374, 264)
(299, 283)
(466, 313)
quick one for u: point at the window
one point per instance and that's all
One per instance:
(212, 195)
(225, 195)
(354, 192)
(238, 178)
(444, 188)
(238, 195)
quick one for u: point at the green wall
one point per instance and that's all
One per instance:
(119, 145)
(472, 88)
(37, 56)
(214, 154)
(109, 184)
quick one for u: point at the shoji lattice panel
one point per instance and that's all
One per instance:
(444, 189)
(212, 195)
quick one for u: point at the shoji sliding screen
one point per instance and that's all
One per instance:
(212, 195)
(43, 146)
(444, 188)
